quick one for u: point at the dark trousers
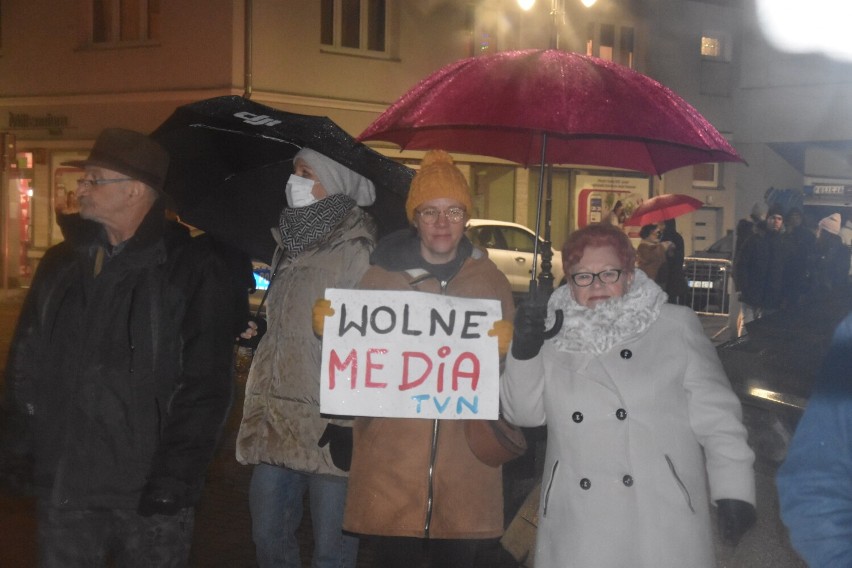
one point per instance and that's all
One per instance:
(404, 552)
(112, 537)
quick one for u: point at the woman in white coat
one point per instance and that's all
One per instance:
(641, 419)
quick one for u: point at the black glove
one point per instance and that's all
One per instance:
(529, 328)
(253, 341)
(161, 499)
(339, 439)
(735, 518)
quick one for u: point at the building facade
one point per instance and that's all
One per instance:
(69, 69)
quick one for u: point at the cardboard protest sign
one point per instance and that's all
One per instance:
(409, 355)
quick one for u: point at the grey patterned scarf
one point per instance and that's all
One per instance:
(303, 226)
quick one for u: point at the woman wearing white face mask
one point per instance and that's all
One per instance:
(324, 241)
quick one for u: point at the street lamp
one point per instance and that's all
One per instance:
(557, 12)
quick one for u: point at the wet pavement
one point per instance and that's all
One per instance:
(223, 525)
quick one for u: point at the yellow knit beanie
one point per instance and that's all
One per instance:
(437, 178)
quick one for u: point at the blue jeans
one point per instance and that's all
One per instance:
(275, 500)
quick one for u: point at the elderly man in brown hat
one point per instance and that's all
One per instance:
(120, 369)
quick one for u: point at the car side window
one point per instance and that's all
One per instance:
(518, 240)
(487, 237)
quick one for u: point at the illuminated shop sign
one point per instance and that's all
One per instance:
(54, 123)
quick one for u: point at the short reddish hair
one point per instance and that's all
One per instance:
(598, 235)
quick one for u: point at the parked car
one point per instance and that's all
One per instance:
(510, 246)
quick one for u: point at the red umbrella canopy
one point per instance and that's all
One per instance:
(663, 207)
(594, 112)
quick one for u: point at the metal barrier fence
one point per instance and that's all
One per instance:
(710, 284)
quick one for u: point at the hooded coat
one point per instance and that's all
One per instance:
(640, 420)
(417, 477)
(123, 375)
(281, 422)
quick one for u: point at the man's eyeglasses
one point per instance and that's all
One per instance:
(431, 215)
(583, 279)
(89, 183)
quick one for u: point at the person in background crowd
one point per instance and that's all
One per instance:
(746, 227)
(802, 243)
(831, 258)
(324, 241)
(616, 216)
(643, 428)
(651, 254)
(675, 285)
(760, 269)
(415, 487)
(815, 481)
(120, 374)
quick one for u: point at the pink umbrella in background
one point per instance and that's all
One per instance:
(549, 107)
(661, 208)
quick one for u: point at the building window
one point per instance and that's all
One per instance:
(705, 175)
(715, 46)
(356, 26)
(122, 21)
(612, 42)
(711, 46)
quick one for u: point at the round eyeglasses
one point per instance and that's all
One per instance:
(583, 279)
(431, 215)
(87, 184)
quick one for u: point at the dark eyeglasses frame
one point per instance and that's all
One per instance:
(597, 275)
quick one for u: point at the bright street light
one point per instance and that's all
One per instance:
(527, 4)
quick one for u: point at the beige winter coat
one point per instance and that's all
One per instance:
(281, 421)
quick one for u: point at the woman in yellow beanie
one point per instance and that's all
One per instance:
(415, 485)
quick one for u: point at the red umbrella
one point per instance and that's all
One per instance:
(663, 207)
(551, 107)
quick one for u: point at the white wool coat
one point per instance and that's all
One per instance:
(637, 434)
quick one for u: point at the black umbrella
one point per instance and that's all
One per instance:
(231, 157)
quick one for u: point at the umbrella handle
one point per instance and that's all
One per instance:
(559, 315)
(557, 325)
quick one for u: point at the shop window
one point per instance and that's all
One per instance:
(358, 27)
(124, 21)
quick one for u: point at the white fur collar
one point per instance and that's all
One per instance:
(596, 330)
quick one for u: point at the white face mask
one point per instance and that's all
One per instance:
(298, 191)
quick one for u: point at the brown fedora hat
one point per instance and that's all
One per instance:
(130, 153)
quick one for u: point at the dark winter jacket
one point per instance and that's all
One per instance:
(761, 268)
(123, 377)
